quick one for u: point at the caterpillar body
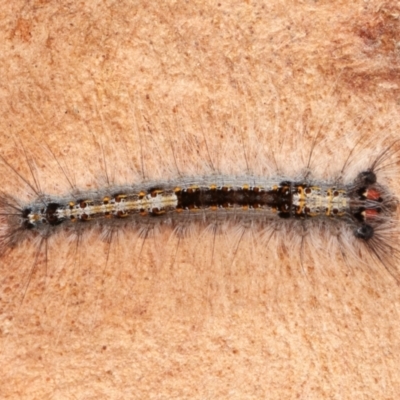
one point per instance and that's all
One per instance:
(359, 210)
(284, 237)
(363, 205)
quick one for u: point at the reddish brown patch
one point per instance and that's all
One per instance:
(381, 34)
(374, 63)
(22, 30)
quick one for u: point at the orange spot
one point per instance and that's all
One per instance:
(371, 213)
(373, 194)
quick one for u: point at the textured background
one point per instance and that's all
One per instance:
(167, 86)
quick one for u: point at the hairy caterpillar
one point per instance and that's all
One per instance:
(78, 279)
(351, 208)
(107, 95)
(362, 206)
(208, 256)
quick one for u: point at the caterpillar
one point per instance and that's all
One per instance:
(362, 206)
(73, 232)
(357, 211)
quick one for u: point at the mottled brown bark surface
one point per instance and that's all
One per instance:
(100, 80)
